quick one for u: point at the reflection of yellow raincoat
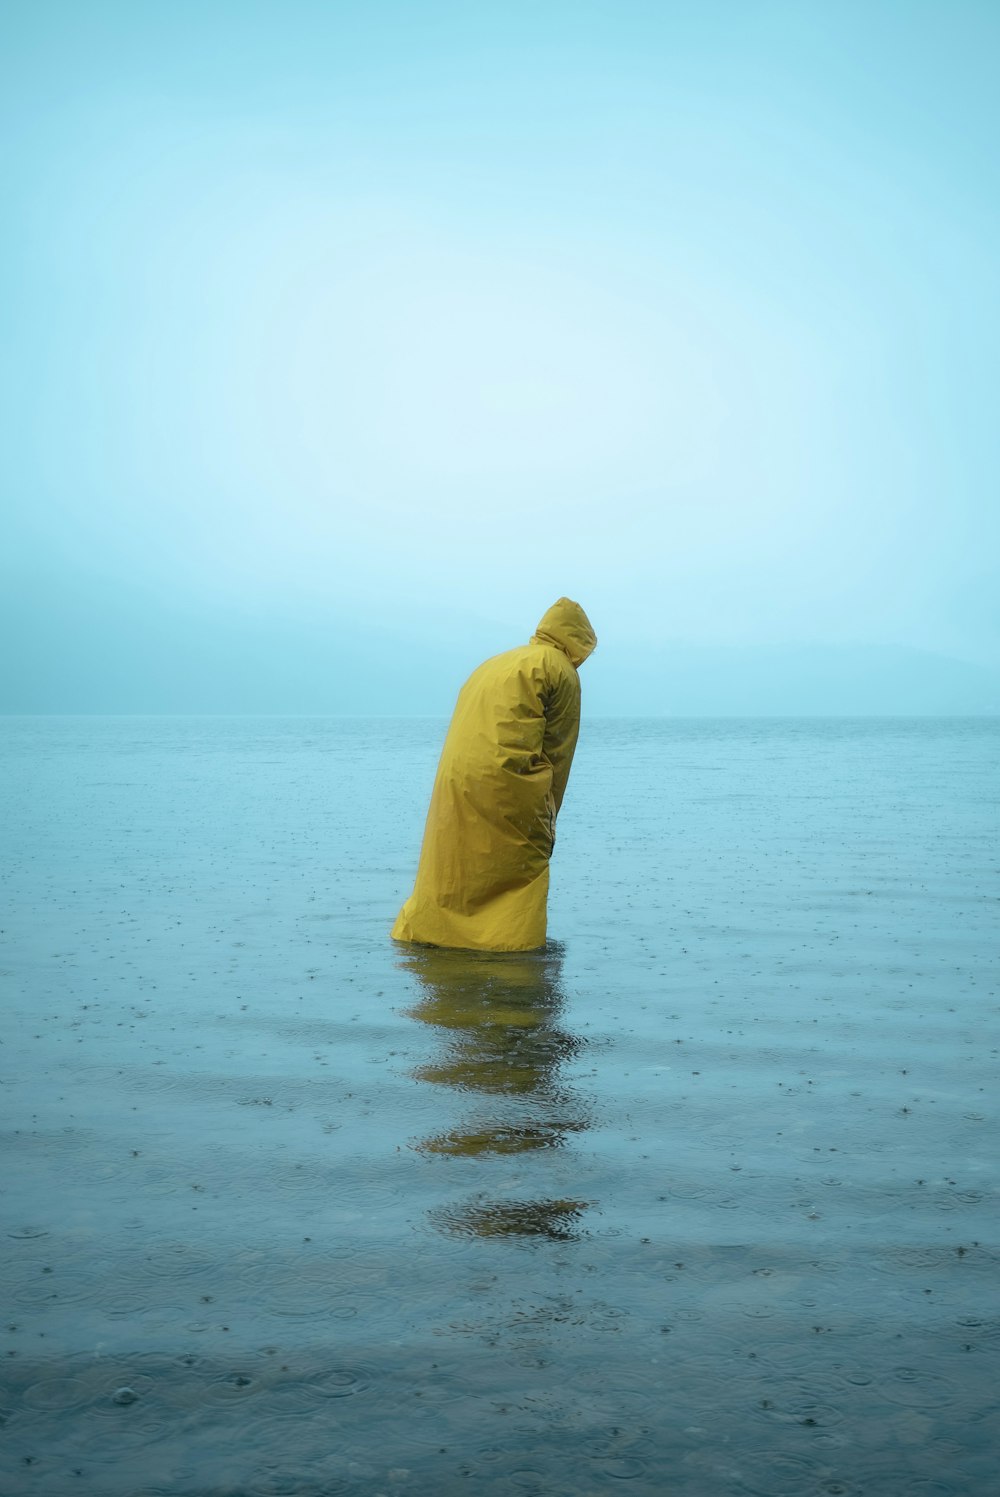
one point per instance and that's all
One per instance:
(484, 865)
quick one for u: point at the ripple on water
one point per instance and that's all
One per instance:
(281, 1480)
(33, 1297)
(620, 1453)
(196, 1363)
(178, 1479)
(173, 1261)
(984, 1334)
(57, 1394)
(918, 1388)
(692, 1190)
(955, 1200)
(37, 1385)
(341, 1273)
(928, 1486)
(803, 1405)
(892, 1260)
(319, 1297)
(302, 1391)
(527, 1478)
(233, 1387)
(622, 1468)
(138, 1428)
(297, 1301)
(337, 1382)
(420, 1420)
(768, 1473)
(114, 1423)
(815, 1362)
(55, 1290)
(635, 1403)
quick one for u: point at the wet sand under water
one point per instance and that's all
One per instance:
(700, 1200)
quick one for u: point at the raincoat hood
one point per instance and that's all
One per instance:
(567, 626)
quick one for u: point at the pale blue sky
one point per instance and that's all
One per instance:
(340, 338)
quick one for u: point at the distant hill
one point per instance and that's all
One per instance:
(765, 680)
(124, 651)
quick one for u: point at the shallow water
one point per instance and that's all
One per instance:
(701, 1200)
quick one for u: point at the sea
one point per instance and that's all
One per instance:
(700, 1200)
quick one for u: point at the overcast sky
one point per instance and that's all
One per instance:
(342, 336)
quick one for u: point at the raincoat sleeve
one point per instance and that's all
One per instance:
(562, 728)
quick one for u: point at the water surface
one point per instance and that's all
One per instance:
(701, 1199)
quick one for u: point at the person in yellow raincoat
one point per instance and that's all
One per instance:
(483, 878)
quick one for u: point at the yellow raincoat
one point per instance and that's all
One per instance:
(483, 876)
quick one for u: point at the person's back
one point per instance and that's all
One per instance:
(482, 881)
